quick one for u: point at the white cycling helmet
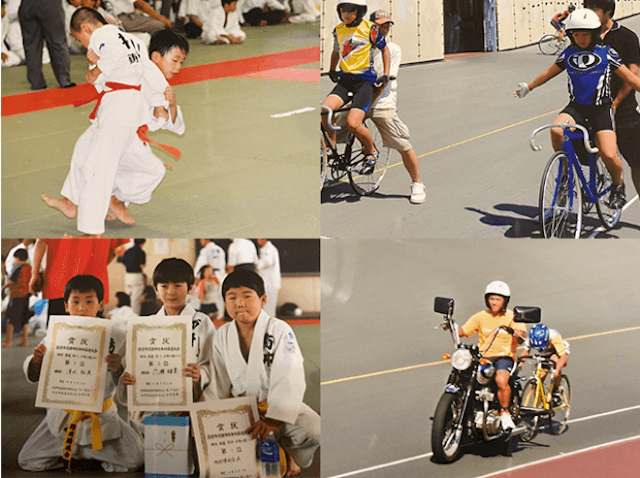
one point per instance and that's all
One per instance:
(585, 20)
(360, 4)
(497, 287)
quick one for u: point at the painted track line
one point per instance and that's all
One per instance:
(428, 455)
(440, 362)
(602, 228)
(460, 143)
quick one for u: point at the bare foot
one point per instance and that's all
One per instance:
(118, 208)
(6, 344)
(63, 205)
(110, 217)
(292, 467)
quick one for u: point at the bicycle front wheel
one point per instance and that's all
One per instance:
(560, 201)
(549, 45)
(365, 184)
(609, 217)
(531, 400)
(560, 416)
(323, 163)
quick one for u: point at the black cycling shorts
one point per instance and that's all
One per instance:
(362, 93)
(598, 118)
(629, 141)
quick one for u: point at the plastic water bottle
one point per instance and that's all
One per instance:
(270, 457)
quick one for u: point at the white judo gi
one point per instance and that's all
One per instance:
(219, 24)
(269, 270)
(242, 251)
(97, 153)
(275, 373)
(203, 332)
(122, 448)
(140, 171)
(213, 255)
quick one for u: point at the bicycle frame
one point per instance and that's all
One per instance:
(341, 161)
(588, 186)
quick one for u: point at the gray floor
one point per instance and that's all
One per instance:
(20, 417)
(378, 317)
(472, 139)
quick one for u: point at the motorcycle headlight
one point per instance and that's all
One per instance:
(461, 359)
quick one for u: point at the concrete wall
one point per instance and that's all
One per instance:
(418, 28)
(523, 22)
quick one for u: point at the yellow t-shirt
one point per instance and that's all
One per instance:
(484, 324)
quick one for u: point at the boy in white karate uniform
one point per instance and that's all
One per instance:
(172, 279)
(122, 449)
(258, 355)
(118, 69)
(223, 26)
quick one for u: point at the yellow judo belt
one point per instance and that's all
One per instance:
(96, 431)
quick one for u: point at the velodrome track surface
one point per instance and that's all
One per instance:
(244, 170)
(382, 368)
(472, 140)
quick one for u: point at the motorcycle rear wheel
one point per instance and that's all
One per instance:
(445, 442)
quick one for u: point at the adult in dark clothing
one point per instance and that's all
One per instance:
(134, 260)
(627, 116)
(42, 20)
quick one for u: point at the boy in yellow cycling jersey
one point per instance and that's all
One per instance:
(354, 40)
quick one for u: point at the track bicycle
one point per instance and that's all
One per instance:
(538, 399)
(549, 44)
(566, 193)
(347, 157)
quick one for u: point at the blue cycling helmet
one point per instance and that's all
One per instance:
(539, 336)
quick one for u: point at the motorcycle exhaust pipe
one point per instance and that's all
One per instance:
(519, 430)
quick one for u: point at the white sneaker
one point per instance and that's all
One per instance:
(418, 193)
(506, 421)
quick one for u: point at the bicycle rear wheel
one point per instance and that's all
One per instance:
(365, 184)
(560, 416)
(609, 217)
(530, 400)
(323, 163)
(549, 45)
(560, 201)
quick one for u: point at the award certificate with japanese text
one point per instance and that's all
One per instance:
(73, 369)
(224, 449)
(158, 350)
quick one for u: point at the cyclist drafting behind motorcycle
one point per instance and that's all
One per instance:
(497, 320)
(548, 343)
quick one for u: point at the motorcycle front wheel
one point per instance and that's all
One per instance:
(446, 439)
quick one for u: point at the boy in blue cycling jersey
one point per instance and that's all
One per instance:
(589, 66)
(353, 42)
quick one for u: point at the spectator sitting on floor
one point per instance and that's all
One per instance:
(258, 13)
(223, 27)
(304, 11)
(199, 13)
(131, 14)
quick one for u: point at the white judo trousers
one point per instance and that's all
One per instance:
(219, 24)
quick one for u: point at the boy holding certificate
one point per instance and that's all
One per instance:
(172, 279)
(104, 436)
(258, 355)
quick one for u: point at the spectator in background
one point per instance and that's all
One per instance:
(131, 14)
(18, 308)
(43, 20)
(258, 13)
(223, 26)
(134, 260)
(149, 301)
(269, 270)
(242, 255)
(212, 254)
(67, 258)
(28, 245)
